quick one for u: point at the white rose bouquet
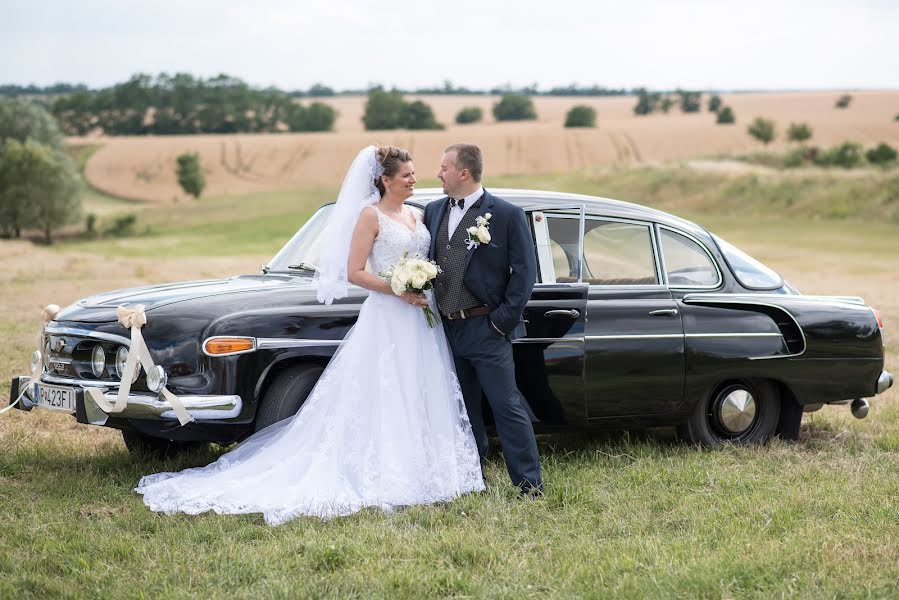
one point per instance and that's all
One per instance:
(413, 274)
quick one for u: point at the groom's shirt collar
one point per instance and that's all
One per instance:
(456, 213)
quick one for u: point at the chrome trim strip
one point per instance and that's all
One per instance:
(704, 248)
(232, 337)
(723, 335)
(536, 340)
(269, 343)
(640, 336)
(87, 333)
(678, 335)
(46, 378)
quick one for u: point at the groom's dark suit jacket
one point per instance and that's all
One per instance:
(502, 273)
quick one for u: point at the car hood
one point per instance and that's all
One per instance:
(101, 308)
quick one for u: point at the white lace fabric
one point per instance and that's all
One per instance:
(385, 426)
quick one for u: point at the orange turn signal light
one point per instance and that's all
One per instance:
(222, 346)
(879, 320)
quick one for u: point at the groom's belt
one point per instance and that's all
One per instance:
(466, 313)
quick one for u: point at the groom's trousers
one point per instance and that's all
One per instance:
(484, 363)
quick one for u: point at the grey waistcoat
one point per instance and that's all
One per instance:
(449, 288)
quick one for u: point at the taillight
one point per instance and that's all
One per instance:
(877, 316)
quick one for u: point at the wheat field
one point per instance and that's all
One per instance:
(143, 168)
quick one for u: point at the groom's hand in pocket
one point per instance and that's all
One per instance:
(493, 328)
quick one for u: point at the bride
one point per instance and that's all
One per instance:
(385, 426)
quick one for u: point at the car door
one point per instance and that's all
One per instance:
(634, 338)
(549, 360)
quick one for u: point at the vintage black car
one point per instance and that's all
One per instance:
(638, 318)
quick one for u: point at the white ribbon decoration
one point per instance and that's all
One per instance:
(48, 313)
(134, 319)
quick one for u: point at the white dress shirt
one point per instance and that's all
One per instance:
(456, 213)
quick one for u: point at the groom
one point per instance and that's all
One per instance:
(486, 281)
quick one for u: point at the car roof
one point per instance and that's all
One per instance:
(593, 205)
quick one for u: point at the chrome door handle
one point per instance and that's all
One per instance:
(570, 313)
(663, 312)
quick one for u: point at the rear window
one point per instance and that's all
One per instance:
(748, 271)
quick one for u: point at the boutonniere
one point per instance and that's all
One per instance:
(479, 233)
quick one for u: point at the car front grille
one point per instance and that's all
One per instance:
(66, 354)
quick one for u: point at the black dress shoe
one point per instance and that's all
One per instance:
(530, 493)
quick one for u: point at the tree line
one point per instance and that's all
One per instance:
(183, 104)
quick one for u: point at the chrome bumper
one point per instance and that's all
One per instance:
(148, 406)
(884, 382)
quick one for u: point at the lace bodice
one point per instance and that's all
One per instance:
(395, 239)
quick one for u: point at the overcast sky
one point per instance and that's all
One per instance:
(707, 44)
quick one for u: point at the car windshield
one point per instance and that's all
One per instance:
(302, 251)
(750, 272)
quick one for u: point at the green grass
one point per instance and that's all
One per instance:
(622, 517)
(627, 515)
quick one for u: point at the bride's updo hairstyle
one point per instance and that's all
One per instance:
(390, 158)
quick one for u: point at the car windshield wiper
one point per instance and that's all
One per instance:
(303, 266)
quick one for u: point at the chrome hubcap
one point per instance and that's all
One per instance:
(737, 411)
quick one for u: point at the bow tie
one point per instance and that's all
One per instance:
(460, 202)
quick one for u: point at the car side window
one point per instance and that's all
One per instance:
(686, 262)
(563, 240)
(618, 253)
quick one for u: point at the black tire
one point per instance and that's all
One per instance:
(145, 445)
(714, 421)
(286, 394)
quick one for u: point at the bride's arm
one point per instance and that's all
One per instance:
(360, 247)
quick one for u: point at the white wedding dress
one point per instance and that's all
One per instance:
(384, 427)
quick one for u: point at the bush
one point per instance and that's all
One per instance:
(388, 110)
(90, 224)
(190, 174)
(846, 155)
(419, 115)
(690, 102)
(714, 103)
(123, 226)
(581, 116)
(384, 110)
(764, 130)
(666, 104)
(726, 116)
(882, 154)
(514, 107)
(799, 132)
(647, 102)
(843, 101)
(315, 117)
(469, 114)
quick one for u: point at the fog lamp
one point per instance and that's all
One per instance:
(36, 359)
(98, 361)
(121, 356)
(156, 379)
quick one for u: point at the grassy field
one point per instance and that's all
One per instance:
(625, 515)
(144, 167)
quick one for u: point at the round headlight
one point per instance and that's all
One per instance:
(156, 379)
(121, 356)
(98, 361)
(36, 360)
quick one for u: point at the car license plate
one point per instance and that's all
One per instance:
(55, 397)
